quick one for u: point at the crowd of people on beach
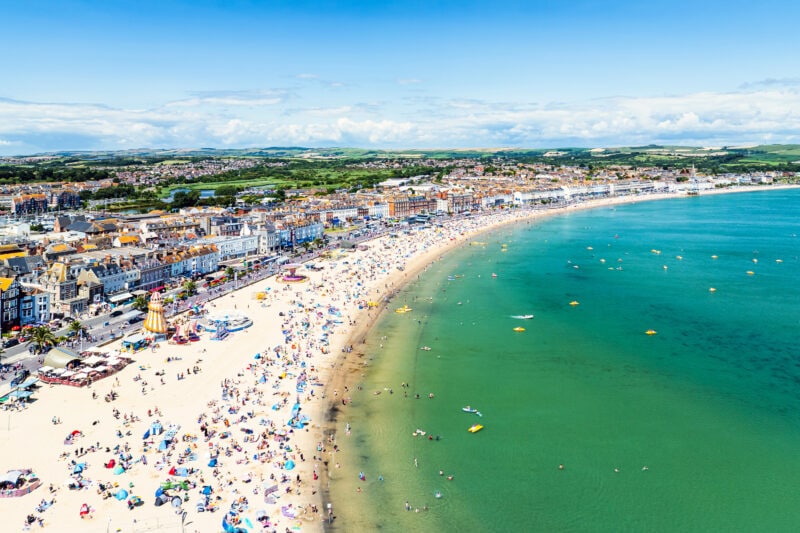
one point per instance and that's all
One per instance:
(247, 448)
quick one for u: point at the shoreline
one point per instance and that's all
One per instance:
(426, 259)
(343, 285)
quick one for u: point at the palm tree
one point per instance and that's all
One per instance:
(140, 302)
(76, 328)
(229, 272)
(190, 287)
(319, 243)
(42, 337)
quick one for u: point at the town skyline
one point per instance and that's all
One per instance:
(90, 76)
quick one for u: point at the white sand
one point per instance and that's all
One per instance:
(30, 440)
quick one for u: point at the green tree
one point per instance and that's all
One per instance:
(190, 287)
(76, 327)
(227, 190)
(42, 337)
(140, 303)
(229, 272)
(319, 243)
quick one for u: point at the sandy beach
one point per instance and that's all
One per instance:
(228, 402)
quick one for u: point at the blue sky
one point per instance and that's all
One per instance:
(82, 75)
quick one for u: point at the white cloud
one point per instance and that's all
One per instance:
(408, 81)
(261, 118)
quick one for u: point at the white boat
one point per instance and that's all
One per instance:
(522, 317)
(469, 409)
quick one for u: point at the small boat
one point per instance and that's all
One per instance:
(469, 409)
(475, 428)
(522, 317)
(437, 494)
(650, 332)
(404, 309)
(519, 329)
(750, 272)
(712, 289)
(494, 275)
(573, 303)
(418, 433)
(426, 348)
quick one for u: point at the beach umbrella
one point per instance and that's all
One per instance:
(290, 465)
(121, 494)
(213, 462)
(159, 492)
(118, 470)
(257, 356)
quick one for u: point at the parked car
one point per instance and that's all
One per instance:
(8, 343)
(118, 312)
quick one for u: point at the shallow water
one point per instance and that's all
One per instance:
(694, 428)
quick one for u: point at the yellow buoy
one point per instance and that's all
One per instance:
(651, 332)
(574, 303)
(750, 272)
(519, 329)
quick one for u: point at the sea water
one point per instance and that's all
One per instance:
(590, 424)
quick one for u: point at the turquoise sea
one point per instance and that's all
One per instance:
(695, 428)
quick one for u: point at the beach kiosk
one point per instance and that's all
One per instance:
(134, 343)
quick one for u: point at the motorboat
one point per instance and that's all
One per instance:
(469, 409)
(494, 275)
(650, 332)
(426, 348)
(573, 303)
(418, 433)
(522, 317)
(475, 428)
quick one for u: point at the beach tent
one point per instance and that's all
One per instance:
(121, 494)
(30, 382)
(11, 477)
(61, 358)
(289, 465)
(118, 470)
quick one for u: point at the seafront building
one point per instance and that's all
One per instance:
(81, 263)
